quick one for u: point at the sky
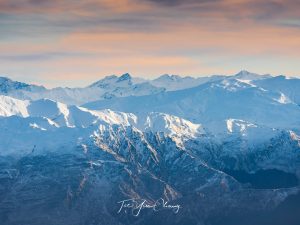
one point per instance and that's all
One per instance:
(73, 42)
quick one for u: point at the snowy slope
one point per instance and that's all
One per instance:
(10, 106)
(288, 87)
(34, 121)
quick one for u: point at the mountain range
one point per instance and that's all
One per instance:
(109, 87)
(226, 148)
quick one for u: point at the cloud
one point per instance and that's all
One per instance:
(92, 37)
(42, 56)
(126, 13)
(84, 8)
(175, 2)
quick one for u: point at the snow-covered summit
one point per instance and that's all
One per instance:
(125, 77)
(105, 82)
(114, 81)
(175, 82)
(7, 85)
(246, 75)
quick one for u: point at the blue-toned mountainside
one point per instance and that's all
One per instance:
(225, 148)
(8, 86)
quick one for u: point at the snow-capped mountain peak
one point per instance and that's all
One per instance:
(106, 81)
(125, 77)
(176, 82)
(113, 80)
(7, 85)
(246, 75)
(167, 77)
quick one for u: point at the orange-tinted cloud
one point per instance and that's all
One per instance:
(84, 8)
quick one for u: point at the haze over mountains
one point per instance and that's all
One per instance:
(209, 139)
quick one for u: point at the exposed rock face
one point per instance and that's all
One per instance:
(85, 185)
